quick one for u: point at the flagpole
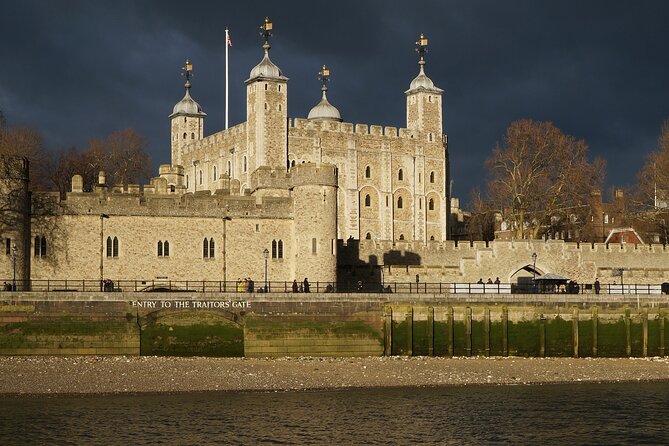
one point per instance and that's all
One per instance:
(227, 72)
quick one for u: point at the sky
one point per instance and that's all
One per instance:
(598, 70)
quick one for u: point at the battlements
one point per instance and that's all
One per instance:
(531, 246)
(350, 128)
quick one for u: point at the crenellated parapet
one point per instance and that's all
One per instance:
(354, 129)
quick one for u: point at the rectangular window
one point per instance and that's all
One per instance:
(313, 245)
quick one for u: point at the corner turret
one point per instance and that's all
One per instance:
(267, 111)
(187, 119)
(424, 100)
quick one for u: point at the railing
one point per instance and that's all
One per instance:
(205, 286)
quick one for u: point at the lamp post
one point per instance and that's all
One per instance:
(14, 250)
(102, 251)
(534, 271)
(266, 255)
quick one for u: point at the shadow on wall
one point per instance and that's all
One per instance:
(357, 275)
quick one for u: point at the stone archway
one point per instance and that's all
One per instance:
(192, 332)
(521, 279)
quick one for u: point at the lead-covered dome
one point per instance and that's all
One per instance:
(187, 106)
(266, 68)
(422, 82)
(325, 110)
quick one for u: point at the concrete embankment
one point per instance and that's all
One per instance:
(338, 325)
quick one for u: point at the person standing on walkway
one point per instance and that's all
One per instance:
(306, 285)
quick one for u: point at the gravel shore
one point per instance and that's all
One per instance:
(43, 375)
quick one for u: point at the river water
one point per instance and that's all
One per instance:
(603, 414)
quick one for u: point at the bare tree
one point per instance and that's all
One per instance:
(538, 173)
(26, 142)
(481, 223)
(652, 191)
(121, 155)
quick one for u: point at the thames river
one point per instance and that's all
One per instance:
(606, 414)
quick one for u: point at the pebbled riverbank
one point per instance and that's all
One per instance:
(46, 375)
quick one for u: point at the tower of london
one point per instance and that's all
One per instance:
(273, 189)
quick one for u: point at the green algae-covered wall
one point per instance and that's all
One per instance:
(532, 331)
(68, 328)
(331, 325)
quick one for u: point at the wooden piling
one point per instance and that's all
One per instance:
(644, 325)
(430, 331)
(409, 320)
(661, 321)
(542, 336)
(450, 331)
(468, 331)
(628, 334)
(486, 331)
(574, 331)
(595, 322)
(388, 332)
(505, 331)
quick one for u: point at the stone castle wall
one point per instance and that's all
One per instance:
(467, 263)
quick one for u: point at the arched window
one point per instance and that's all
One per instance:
(292, 163)
(186, 181)
(431, 177)
(212, 251)
(185, 135)
(205, 248)
(192, 136)
(274, 249)
(173, 188)
(166, 248)
(280, 247)
(400, 175)
(160, 248)
(401, 236)
(109, 247)
(185, 119)
(244, 163)
(430, 205)
(399, 203)
(368, 236)
(40, 246)
(368, 172)
(368, 200)
(115, 246)
(432, 238)
(200, 177)
(215, 173)
(420, 203)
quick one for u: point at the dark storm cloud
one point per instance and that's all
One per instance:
(80, 69)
